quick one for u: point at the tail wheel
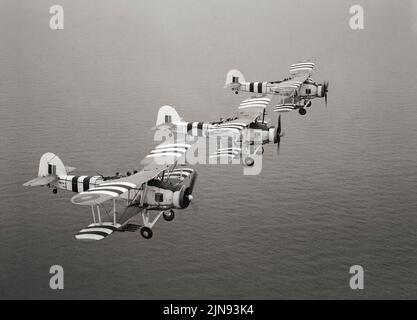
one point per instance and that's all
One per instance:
(146, 232)
(302, 111)
(169, 215)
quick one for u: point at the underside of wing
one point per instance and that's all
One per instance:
(104, 192)
(284, 108)
(97, 231)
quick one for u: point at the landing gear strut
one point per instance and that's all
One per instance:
(146, 230)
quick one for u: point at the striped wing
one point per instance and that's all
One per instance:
(300, 72)
(165, 155)
(104, 192)
(252, 108)
(304, 68)
(97, 231)
(284, 107)
(229, 152)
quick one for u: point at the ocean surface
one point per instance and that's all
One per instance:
(341, 192)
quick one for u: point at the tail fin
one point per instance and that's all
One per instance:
(167, 116)
(234, 79)
(50, 167)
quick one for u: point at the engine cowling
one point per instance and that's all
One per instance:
(182, 198)
(272, 134)
(320, 91)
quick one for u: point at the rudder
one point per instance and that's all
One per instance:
(51, 164)
(234, 78)
(168, 115)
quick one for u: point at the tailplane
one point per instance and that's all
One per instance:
(50, 167)
(234, 79)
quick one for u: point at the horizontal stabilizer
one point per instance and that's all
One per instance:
(69, 169)
(97, 231)
(40, 181)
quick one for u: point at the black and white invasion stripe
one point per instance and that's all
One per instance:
(80, 183)
(255, 102)
(284, 107)
(257, 87)
(113, 189)
(97, 231)
(302, 66)
(171, 149)
(227, 152)
(181, 172)
(197, 129)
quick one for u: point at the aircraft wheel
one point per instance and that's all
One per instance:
(55, 191)
(302, 111)
(169, 215)
(236, 92)
(146, 232)
(249, 162)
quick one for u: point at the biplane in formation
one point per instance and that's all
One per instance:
(294, 92)
(164, 183)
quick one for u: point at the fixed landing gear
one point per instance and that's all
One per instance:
(302, 111)
(169, 215)
(249, 162)
(146, 232)
(54, 190)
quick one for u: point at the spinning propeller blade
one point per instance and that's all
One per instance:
(326, 90)
(278, 134)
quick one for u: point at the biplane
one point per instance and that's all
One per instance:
(248, 130)
(295, 92)
(155, 191)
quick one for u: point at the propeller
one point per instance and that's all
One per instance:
(325, 91)
(278, 135)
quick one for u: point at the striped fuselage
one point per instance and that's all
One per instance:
(257, 87)
(78, 183)
(206, 129)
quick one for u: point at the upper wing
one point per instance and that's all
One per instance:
(114, 188)
(252, 108)
(304, 68)
(300, 72)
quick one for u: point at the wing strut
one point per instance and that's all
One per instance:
(114, 211)
(94, 216)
